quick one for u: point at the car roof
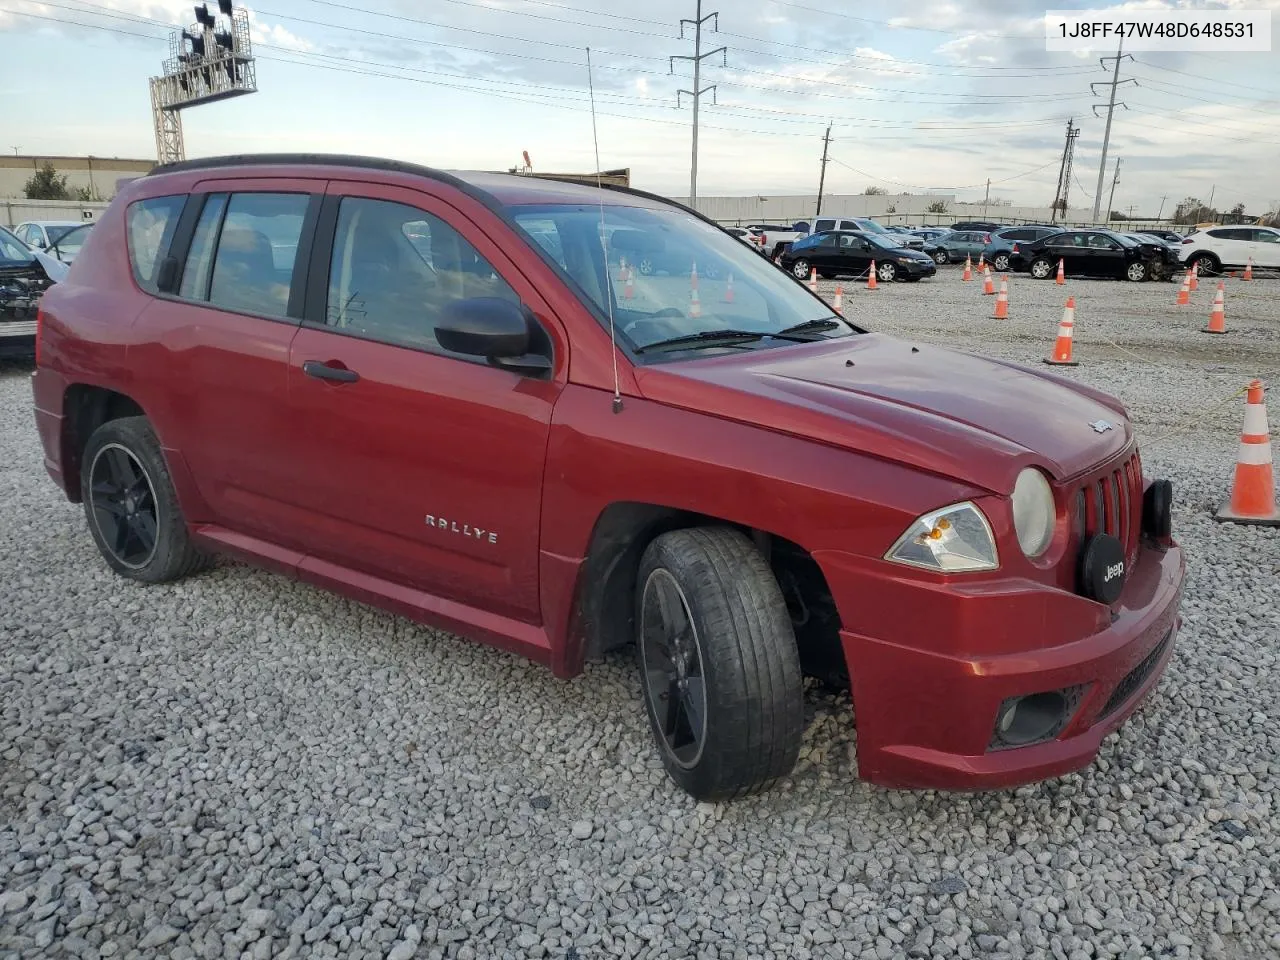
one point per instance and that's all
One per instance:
(502, 189)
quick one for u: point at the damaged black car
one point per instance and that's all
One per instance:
(23, 279)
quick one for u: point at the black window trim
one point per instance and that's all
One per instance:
(314, 311)
(180, 252)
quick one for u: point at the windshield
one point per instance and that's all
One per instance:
(13, 249)
(1124, 241)
(70, 240)
(650, 276)
(56, 232)
(884, 242)
(871, 226)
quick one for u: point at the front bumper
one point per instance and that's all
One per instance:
(917, 268)
(926, 718)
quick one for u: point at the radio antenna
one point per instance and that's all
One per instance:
(604, 250)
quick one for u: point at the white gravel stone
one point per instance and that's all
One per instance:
(240, 764)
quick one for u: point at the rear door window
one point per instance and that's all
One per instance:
(149, 229)
(199, 266)
(253, 268)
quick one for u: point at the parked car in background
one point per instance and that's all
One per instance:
(23, 281)
(984, 225)
(1169, 235)
(1174, 248)
(1094, 253)
(997, 250)
(777, 237)
(746, 236)
(955, 245)
(40, 234)
(1230, 248)
(931, 233)
(68, 244)
(842, 253)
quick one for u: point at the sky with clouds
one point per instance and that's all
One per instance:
(921, 94)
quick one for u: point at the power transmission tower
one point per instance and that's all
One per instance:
(698, 90)
(822, 176)
(1064, 172)
(1111, 199)
(1111, 109)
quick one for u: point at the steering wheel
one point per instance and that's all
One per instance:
(656, 317)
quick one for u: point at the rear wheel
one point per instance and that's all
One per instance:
(719, 669)
(1000, 262)
(1041, 268)
(131, 505)
(646, 266)
(940, 257)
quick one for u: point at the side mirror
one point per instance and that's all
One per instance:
(493, 328)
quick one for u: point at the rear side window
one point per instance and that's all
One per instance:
(1266, 236)
(199, 267)
(149, 228)
(1231, 234)
(253, 268)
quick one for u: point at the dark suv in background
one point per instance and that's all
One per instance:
(1002, 241)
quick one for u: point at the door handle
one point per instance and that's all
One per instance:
(323, 371)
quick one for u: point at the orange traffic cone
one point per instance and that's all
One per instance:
(1248, 270)
(1195, 277)
(1061, 356)
(1062, 273)
(981, 261)
(728, 290)
(1184, 295)
(968, 269)
(988, 283)
(1253, 494)
(838, 306)
(629, 291)
(693, 278)
(1218, 319)
(622, 270)
(871, 277)
(813, 279)
(695, 305)
(1002, 298)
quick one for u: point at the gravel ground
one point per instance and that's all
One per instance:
(239, 765)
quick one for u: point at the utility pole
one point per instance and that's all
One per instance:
(698, 90)
(1111, 109)
(1112, 197)
(1064, 172)
(1162, 200)
(822, 177)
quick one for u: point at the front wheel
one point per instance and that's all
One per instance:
(1207, 265)
(1041, 268)
(719, 668)
(1136, 271)
(887, 272)
(800, 269)
(131, 506)
(940, 257)
(646, 267)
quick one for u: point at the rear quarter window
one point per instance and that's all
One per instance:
(149, 229)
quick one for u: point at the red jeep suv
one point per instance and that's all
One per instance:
(451, 395)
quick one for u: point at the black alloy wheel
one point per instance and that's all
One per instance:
(124, 505)
(672, 660)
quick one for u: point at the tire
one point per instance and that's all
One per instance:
(131, 506)
(886, 272)
(646, 267)
(1136, 272)
(1042, 268)
(712, 271)
(1000, 263)
(1209, 264)
(800, 269)
(705, 597)
(940, 257)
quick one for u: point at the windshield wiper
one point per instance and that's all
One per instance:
(822, 323)
(707, 338)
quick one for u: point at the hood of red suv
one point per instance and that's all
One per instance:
(951, 413)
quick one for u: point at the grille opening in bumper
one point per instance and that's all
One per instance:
(1033, 718)
(1135, 678)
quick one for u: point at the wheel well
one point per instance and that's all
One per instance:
(85, 409)
(624, 530)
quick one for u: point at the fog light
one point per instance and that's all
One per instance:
(1022, 721)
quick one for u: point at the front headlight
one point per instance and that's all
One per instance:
(1033, 513)
(907, 261)
(955, 539)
